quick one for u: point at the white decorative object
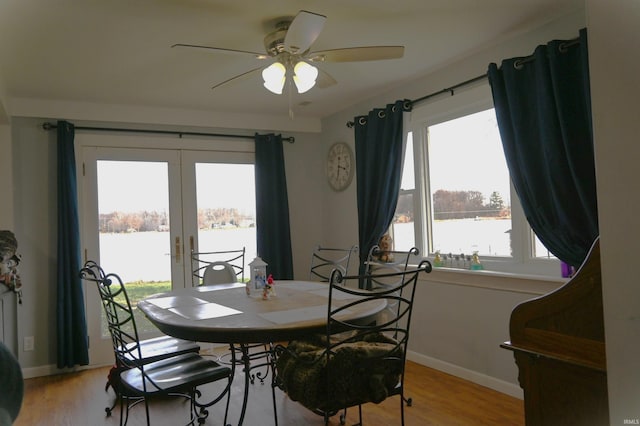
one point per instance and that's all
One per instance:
(258, 281)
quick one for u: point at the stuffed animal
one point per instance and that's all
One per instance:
(386, 247)
(9, 260)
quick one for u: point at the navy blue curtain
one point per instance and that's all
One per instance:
(72, 337)
(543, 107)
(379, 156)
(272, 207)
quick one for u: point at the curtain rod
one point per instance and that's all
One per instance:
(450, 90)
(50, 126)
(517, 64)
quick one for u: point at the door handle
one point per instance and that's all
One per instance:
(178, 250)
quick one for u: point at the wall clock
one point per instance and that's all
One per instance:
(340, 165)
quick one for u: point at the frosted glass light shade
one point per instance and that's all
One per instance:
(304, 76)
(274, 76)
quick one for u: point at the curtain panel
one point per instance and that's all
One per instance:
(543, 107)
(379, 142)
(272, 207)
(72, 340)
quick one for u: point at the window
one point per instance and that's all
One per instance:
(456, 196)
(402, 228)
(468, 183)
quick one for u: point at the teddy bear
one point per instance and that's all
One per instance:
(386, 247)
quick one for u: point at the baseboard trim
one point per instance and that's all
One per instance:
(466, 374)
(52, 369)
(446, 367)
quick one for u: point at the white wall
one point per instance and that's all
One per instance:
(460, 320)
(304, 163)
(36, 229)
(6, 177)
(614, 43)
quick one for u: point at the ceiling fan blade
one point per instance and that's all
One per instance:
(303, 31)
(237, 77)
(324, 79)
(357, 54)
(222, 50)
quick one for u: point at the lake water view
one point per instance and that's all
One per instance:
(145, 256)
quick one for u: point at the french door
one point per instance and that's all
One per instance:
(144, 211)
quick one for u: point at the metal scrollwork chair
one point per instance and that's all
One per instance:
(153, 349)
(324, 260)
(217, 267)
(352, 363)
(159, 373)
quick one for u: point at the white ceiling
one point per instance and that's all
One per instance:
(119, 51)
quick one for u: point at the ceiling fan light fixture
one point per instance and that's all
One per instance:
(274, 76)
(304, 76)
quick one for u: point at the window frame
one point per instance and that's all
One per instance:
(465, 101)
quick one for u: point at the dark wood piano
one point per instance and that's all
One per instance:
(559, 348)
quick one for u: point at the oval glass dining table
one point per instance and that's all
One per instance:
(225, 313)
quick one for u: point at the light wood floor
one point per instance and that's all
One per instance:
(439, 399)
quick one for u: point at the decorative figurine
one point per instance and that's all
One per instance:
(475, 262)
(437, 260)
(268, 291)
(258, 281)
(271, 285)
(386, 247)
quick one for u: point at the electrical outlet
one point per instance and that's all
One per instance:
(28, 343)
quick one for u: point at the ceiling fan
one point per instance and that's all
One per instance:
(288, 51)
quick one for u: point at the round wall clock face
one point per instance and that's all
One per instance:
(340, 166)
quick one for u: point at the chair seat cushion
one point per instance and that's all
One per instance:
(355, 373)
(160, 347)
(182, 372)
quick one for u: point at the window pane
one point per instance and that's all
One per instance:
(469, 186)
(539, 250)
(408, 175)
(402, 229)
(226, 213)
(133, 208)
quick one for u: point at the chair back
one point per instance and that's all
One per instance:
(324, 260)
(400, 295)
(380, 263)
(354, 362)
(219, 273)
(119, 314)
(217, 267)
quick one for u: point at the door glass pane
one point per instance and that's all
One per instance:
(226, 208)
(133, 208)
